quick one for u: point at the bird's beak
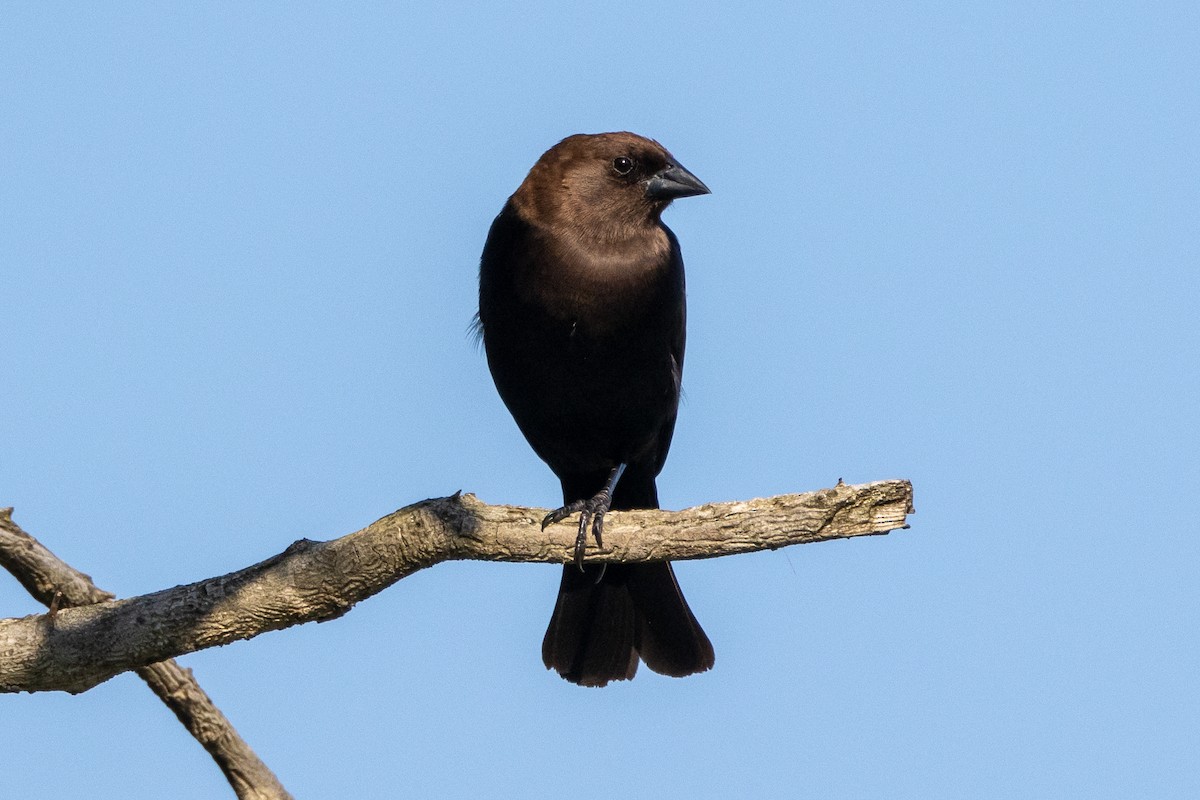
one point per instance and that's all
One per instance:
(674, 181)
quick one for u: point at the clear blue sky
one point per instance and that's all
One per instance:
(955, 243)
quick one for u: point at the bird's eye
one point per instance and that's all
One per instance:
(623, 165)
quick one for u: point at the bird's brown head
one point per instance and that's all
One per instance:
(605, 185)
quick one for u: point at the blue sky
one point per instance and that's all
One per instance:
(950, 242)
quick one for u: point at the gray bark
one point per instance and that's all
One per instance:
(77, 648)
(58, 585)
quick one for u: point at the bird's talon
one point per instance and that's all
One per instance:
(581, 542)
(591, 514)
(559, 514)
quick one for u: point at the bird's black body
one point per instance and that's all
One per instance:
(590, 386)
(583, 318)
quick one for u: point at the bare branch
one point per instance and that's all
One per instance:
(313, 581)
(56, 584)
(40, 571)
(250, 778)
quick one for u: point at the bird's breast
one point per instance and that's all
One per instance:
(598, 291)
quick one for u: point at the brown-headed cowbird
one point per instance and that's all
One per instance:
(581, 307)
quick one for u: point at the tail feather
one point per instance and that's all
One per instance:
(670, 640)
(606, 618)
(599, 629)
(591, 639)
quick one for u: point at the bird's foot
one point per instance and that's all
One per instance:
(590, 511)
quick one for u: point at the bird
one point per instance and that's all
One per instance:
(582, 314)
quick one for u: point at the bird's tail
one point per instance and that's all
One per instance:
(606, 618)
(600, 628)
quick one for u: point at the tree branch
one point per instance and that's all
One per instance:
(55, 583)
(314, 581)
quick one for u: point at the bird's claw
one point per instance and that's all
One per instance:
(559, 514)
(590, 511)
